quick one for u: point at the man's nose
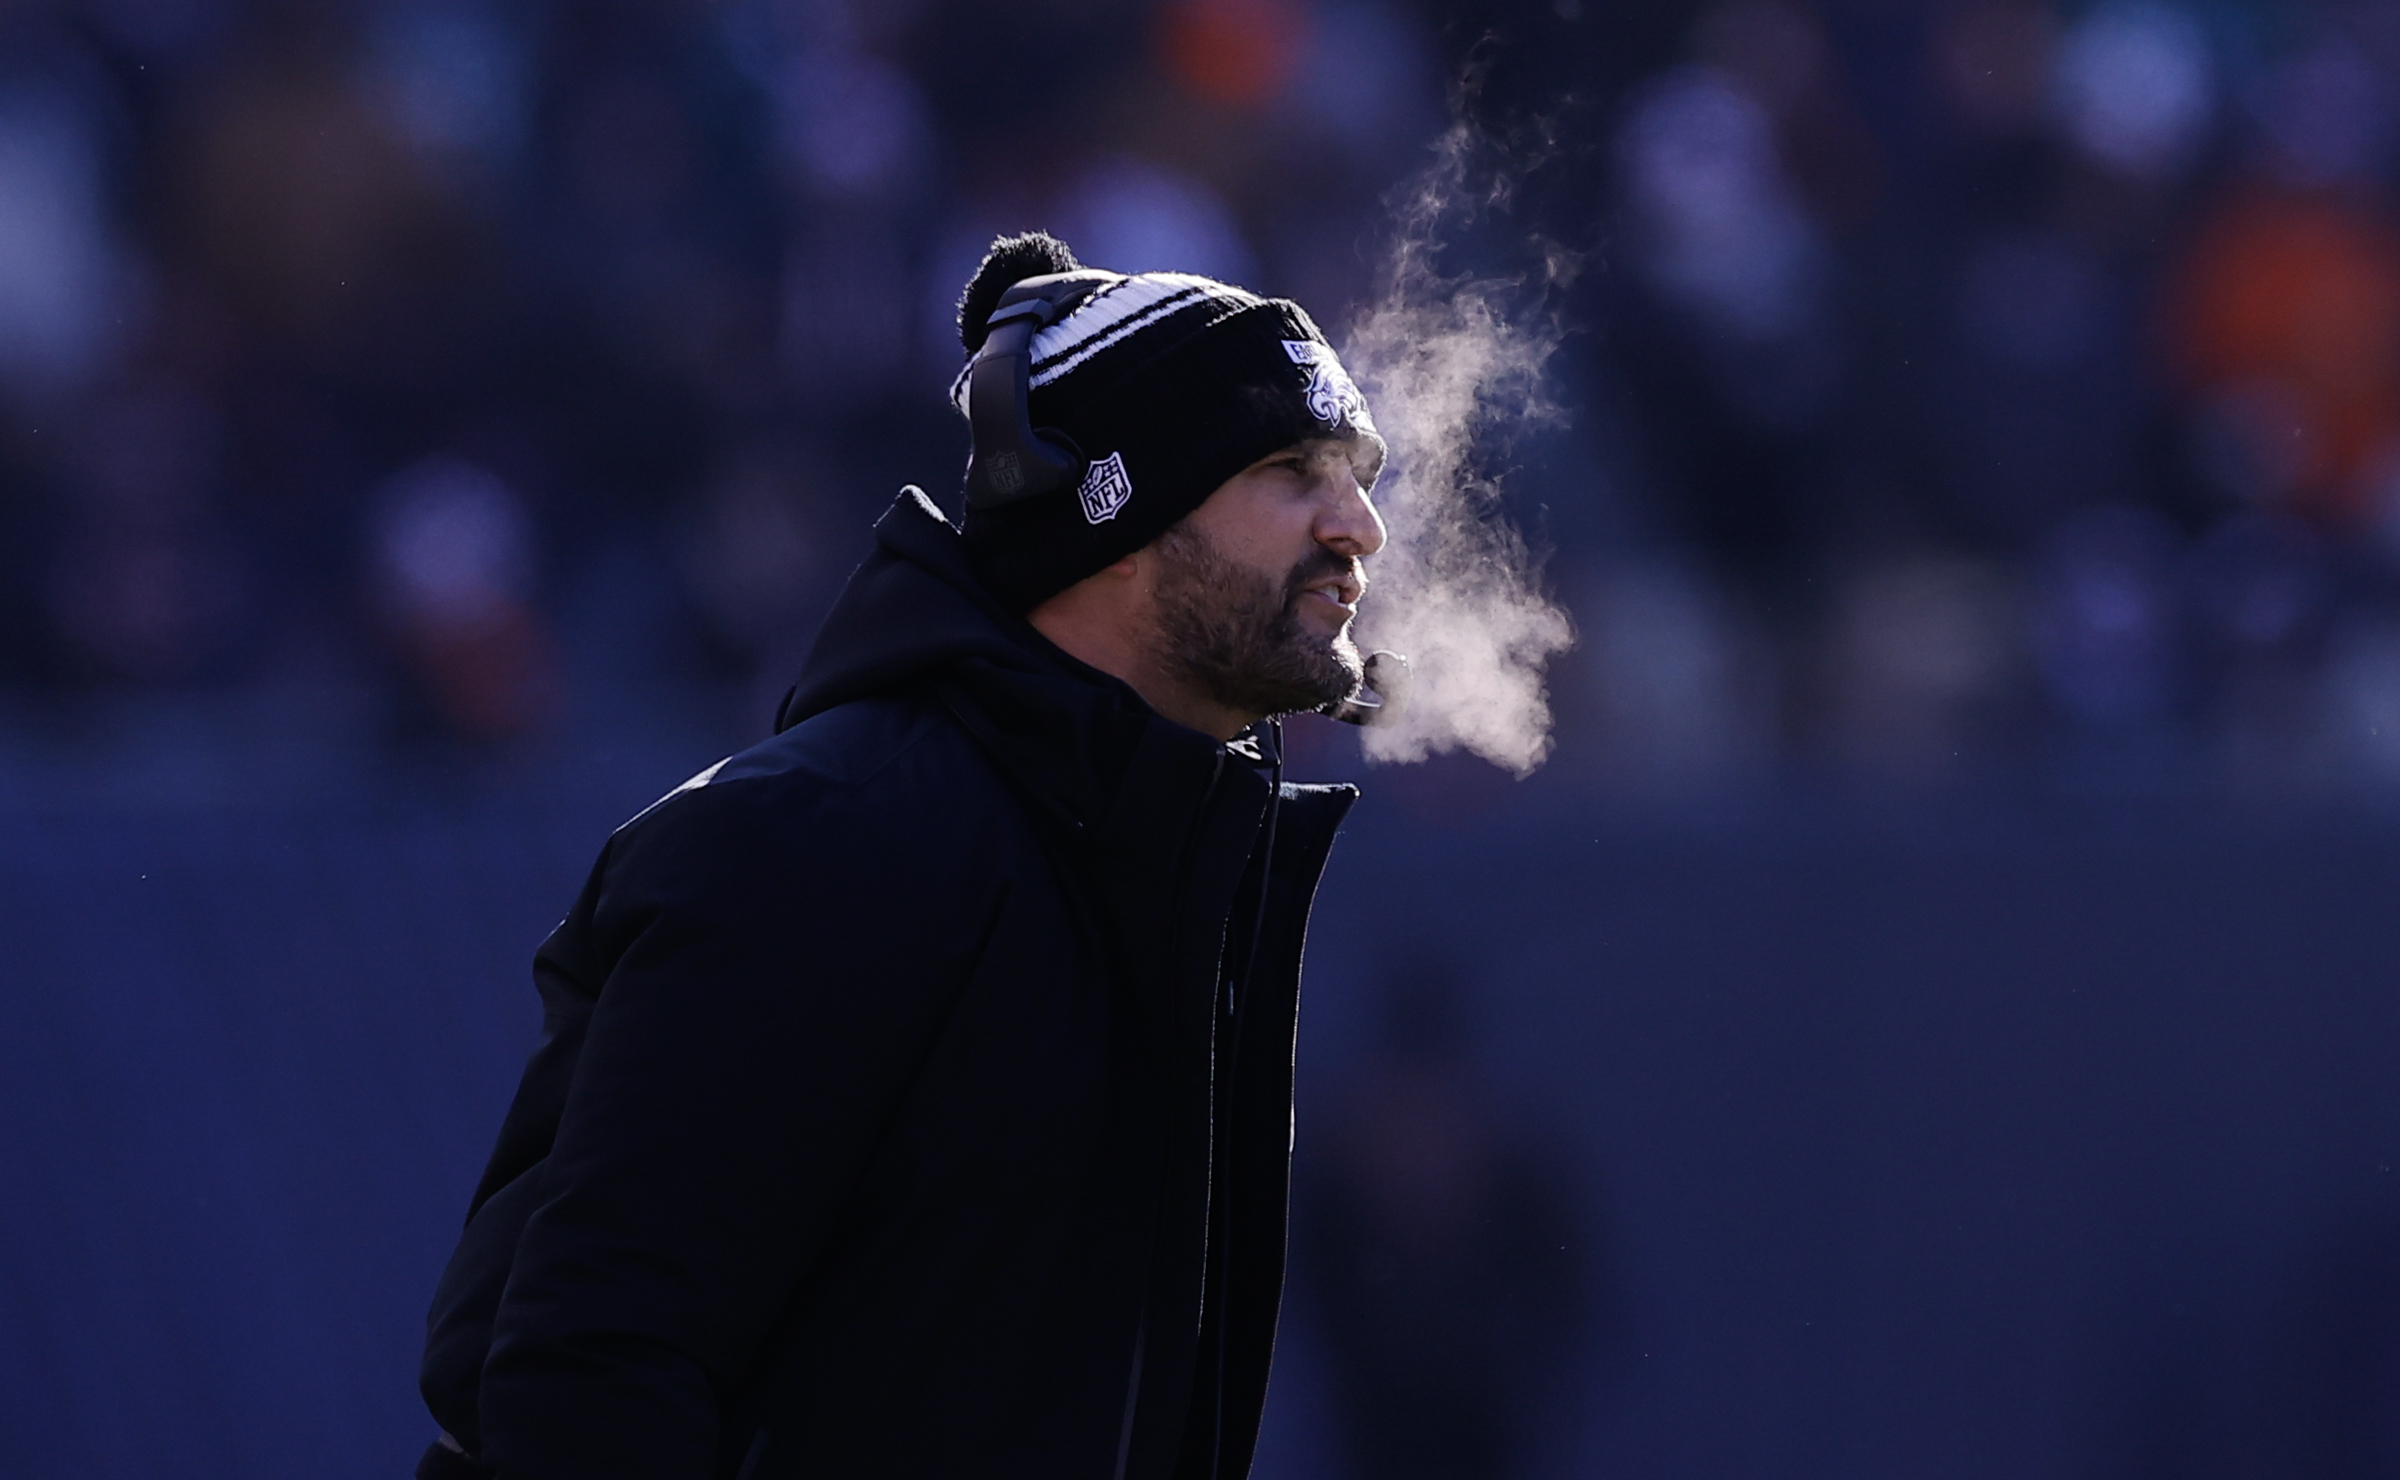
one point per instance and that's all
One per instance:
(1349, 524)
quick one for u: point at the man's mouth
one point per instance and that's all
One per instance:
(1341, 591)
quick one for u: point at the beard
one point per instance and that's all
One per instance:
(1235, 632)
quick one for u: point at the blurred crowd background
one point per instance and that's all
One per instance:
(388, 378)
(1978, 388)
(1932, 1014)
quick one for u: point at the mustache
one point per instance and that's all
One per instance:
(1317, 567)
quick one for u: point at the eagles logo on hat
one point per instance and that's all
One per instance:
(1333, 397)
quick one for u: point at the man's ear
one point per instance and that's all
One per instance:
(1124, 567)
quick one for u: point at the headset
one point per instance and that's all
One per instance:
(1381, 696)
(1014, 461)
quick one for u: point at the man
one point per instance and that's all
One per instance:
(915, 1091)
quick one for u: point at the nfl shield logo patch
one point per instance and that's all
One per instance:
(1105, 489)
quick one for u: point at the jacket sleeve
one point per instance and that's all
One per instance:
(776, 969)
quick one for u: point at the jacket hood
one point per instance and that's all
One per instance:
(912, 610)
(914, 615)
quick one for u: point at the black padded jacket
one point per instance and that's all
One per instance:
(913, 1099)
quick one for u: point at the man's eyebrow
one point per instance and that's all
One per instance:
(1365, 456)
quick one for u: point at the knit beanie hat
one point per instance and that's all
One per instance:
(1168, 384)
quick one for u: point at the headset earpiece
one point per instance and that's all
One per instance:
(1012, 460)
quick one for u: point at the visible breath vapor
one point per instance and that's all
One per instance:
(1445, 361)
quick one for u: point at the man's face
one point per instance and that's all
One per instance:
(1256, 588)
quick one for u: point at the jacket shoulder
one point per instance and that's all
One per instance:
(878, 766)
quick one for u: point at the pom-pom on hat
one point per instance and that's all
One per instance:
(1168, 384)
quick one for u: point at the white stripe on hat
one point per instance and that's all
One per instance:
(1123, 300)
(1083, 350)
(1080, 333)
(1070, 353)
(1110, 316)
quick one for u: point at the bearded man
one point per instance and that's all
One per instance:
(915, 1092)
